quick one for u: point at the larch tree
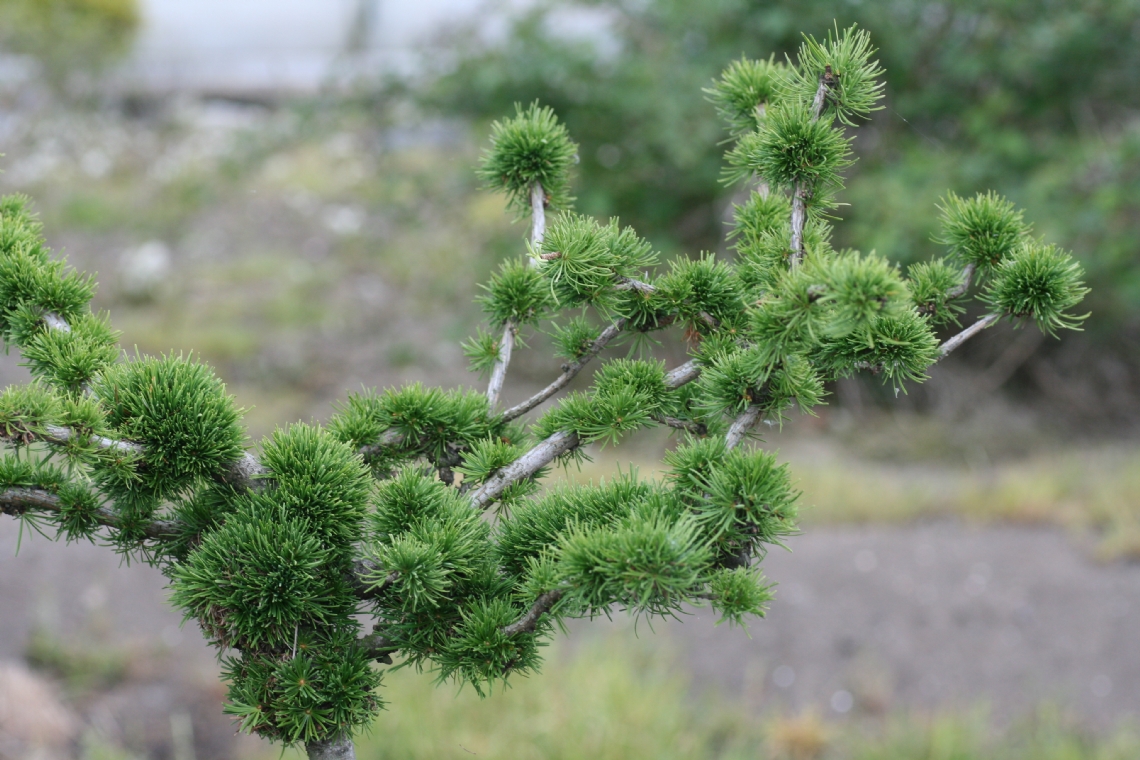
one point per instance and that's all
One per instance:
(422, 508)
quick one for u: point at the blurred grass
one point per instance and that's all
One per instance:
(610, 701)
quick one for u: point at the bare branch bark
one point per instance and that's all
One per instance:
(741, 425)
(569, 372)
(61, 435)
(337, 747)
(537, 215)
(682, 375)
(17, 501)
(499, 371)
(524, 467)
(527, 623)
(696, 428)
(965, 335)
(56, 322)
(967, 275)
(801, 191)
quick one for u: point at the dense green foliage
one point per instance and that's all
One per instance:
(1031, 98)
(381, 512)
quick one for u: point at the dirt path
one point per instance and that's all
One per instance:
(866, 620)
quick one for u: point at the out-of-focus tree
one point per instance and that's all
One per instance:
(69, 37)
(1035, 98)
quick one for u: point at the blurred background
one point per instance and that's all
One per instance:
(286, 188)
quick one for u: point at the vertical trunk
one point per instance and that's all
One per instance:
(338, 747)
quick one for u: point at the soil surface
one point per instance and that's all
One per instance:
(866, 620)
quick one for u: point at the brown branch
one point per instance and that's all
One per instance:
(569, 372)
(528, 622)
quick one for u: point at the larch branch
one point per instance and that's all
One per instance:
(801, 190)
(952, 343)
(741, 425)
(499, 371)
(569, 372)
(525, 466)
(528, 622)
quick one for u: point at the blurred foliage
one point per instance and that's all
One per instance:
(66, 36)
(611, 699)
(1033, 98)
(82, 669)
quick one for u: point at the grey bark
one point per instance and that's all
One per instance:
(569, 372)
(741, 425)
(499, 371)
(537, 215)
(527, 622)
(800, 190)
(338, 747)
(965, 335)
(524, 467)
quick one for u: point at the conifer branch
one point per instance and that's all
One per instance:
(952, 343)
(741, 425)
(569, 372)
(525, 466)
(801, 191)
(17, 501)
(682, 375)
(967, 275)
(60, 435)
(528, 622)
(56, 322)
(696, 428)
(499, 371)
(537, 215)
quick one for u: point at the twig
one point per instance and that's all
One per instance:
(527, 623)
(965, 335)
(524, 467)
(960, 290)
(499, 371)
(741, 425)
(801, 191)
(569, 372)
(696, 428)
(537, 215)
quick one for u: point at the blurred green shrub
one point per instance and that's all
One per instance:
(1034, 98)
(69, 36)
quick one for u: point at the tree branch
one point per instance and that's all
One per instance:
(569, 372)
(377, 647)
(696, 428)
(17, 501)
(801, 191)
(682, 375)
(537, 215)
(499, 371)
(741, 425)
(56, 322)
(967, 275)
(965, 335)
(524, 467)
(528, 622)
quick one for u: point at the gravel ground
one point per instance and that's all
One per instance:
(866, 621)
